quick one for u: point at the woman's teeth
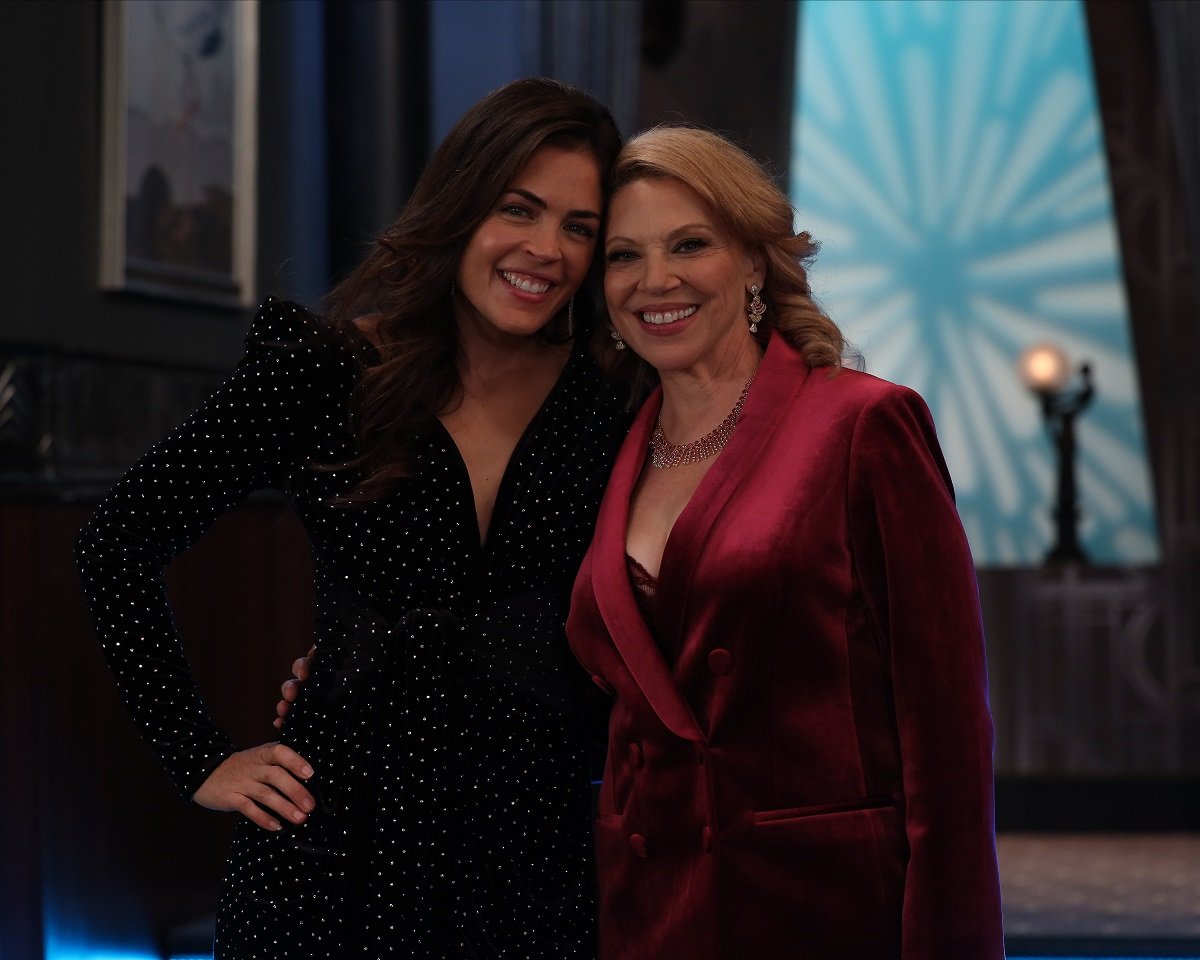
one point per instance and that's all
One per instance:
(669, 317)
(522, 283)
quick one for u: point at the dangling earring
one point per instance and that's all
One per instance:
(756, 309)
(571, 318)
(453, 289)
(616, 335)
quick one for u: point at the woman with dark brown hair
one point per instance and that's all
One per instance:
(444, 436)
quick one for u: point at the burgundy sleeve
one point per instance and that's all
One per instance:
(915, 570)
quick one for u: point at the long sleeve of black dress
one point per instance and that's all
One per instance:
(254, 432)
(443, 715)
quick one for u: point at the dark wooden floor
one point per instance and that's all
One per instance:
(1101, 895)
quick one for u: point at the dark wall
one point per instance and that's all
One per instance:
(96, 847)
(728, 66)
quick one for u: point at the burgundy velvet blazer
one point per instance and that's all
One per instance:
(810, 776)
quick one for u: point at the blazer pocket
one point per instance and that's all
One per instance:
(765, 818)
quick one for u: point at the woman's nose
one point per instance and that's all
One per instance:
(544, 244)
(657, 274)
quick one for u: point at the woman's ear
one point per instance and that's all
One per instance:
(756, 276)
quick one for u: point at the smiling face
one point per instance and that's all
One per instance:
(531, 253)
(675, 283)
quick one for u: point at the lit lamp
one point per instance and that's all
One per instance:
(1045, 370)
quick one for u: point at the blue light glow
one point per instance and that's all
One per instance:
(63, 943)
(949, 158)
(89, 953)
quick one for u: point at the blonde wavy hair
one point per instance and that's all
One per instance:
(751, 209)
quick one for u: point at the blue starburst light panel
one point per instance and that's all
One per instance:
(949, 158)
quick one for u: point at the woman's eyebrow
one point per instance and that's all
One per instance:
(686, 228)
(539, 202)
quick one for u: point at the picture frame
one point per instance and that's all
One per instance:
(179, 149)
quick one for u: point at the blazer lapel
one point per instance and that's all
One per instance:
(780, 377)
(614, 593)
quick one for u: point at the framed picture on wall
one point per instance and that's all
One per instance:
(179, 132)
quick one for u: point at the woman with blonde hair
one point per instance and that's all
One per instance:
(780, 598)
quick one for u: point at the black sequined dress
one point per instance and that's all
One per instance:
(443, 716)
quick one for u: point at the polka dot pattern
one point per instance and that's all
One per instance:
(443, 717)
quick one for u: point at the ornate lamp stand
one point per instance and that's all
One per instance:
(1045, 370)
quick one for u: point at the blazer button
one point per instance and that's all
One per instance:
(706, 839)
(602, 684)
(720, 661)
(635, 756)
(637, 843)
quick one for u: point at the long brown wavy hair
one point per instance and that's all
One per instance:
(754, 211)
(406, 279)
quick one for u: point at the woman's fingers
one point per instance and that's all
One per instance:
(281, 755)
(278, 785)
(256, 814)
(284, 794)
(302, 666)
(261, 783)
(289, 690)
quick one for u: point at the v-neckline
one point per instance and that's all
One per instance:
(696, 494)
(482, 540)
(682, 516)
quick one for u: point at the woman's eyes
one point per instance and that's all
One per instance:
(583, 230)
(688, 245)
